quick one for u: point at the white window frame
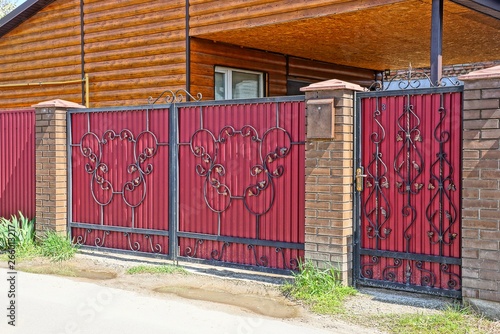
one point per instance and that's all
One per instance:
(228, 82)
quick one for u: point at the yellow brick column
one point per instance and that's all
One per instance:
(51, 165)
(329, 175)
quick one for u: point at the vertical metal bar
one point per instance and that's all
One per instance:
(436, 41)
(82, 55)
(357, 195)
(87, 91)
(188, 53)
(69, 174)
(173, 183)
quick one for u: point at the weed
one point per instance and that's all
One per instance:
(16, 231)
(322, 289)
(163, 269)
(57, 247)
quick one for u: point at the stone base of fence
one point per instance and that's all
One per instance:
(329, 175)
(481, 191)
(51, 165)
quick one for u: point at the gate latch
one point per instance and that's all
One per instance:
(359, 179)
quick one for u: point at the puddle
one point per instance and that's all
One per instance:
(70, 272)
(256, 304)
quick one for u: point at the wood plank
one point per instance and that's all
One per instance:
(66, 51)
(94, 14)
(170, 18)
(140, 62)
(176, 27)
(47, 64)
(137, 73)
(141, 51)
(40, 74)
(92, 6)
(35, 42)
(171, 41)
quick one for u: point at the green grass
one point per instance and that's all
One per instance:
(452, 320)
(163, 269)
(18, 233)
(57, 247)
(322, 289)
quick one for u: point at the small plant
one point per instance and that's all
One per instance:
(454, 319)
(57, 247)
(16, 231)
(320, 288)
(163, 269)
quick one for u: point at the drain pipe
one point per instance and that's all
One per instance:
(188, 54)
(85, 85)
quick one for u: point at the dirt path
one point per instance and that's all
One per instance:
(231, 292)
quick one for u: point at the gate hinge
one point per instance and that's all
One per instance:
(359, 179)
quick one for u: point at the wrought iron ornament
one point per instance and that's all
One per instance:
(376, 208)
(412, 79)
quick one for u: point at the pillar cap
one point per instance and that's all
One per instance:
(57, 103)
(487, 73)
(333, 84)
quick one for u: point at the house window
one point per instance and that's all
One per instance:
(231, 83)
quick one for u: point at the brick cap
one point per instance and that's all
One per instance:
(487, 73)
(57, 103)
(333, 84)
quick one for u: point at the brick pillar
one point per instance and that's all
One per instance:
(481, 191)
(51, 165)
(329, 175)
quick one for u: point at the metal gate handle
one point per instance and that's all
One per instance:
(359, 179)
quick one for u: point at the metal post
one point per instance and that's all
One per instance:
(173, 186)
(437, 41)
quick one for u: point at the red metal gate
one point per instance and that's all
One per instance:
(17, 163)
(119, 179)
(409, 143)
(241, 180)
(224, 183)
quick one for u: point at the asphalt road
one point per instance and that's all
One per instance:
(55, 305)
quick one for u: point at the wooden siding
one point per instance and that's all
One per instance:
(45, 48)
(205, 55)
(134, 49)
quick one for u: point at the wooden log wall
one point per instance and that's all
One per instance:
(45, 48)
(134, 49)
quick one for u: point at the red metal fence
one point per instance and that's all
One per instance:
(17, 163)
(223, 183)
(409, 209)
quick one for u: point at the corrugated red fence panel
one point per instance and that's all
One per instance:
(120, 179)
(241, 179)
(411, 152)
(17, 163)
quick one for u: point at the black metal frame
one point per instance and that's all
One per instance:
(358, 278)
(173, 102)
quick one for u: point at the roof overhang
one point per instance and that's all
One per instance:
(389, 36)
(23, 12)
